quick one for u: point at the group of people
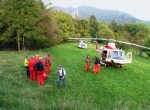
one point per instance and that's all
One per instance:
(37, 68)
(96, 66)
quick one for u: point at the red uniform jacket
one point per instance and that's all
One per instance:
(48, 57)
(32, 62)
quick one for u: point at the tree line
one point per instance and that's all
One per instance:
(30, 25)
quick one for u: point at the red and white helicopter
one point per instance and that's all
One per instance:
(110, 55)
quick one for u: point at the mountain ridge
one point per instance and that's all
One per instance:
(101, 14)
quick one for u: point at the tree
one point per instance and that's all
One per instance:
(21, 18)
(142, 31)
(83, 27)
(93, 26)
(104, 31)
(48, 28)
(147, 43)
(130, 28)
(114, 26)
(65, 25)
(27, 24)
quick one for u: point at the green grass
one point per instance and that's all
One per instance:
(113, 89)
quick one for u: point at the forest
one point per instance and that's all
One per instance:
(30, 25)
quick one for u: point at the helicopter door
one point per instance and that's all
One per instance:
(104, 55)
(109, 55)
(129, 56)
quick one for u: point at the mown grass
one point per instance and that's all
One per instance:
(113, 89)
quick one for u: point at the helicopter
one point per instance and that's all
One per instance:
(110, 55)
(81, 44)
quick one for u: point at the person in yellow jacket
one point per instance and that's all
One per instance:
(26, 63)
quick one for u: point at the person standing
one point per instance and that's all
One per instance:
(94, 66)
(39, 67)
(97, 65)
(61, 76)
(36, 58)
(87, 60)
(48, 63)
(26, 63)
(32, 62)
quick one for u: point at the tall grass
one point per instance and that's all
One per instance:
(114, 89)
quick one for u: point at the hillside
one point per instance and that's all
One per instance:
(115, 88)
(102, 15)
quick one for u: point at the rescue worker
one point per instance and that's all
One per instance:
(94, 66)
(36, 60)
(26, 63)
(32, 62)
(48, 57)
(87, 66)
(48, 63)
(97, 65)
(47, 66)
(39, 67)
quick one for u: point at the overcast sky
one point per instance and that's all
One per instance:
(137, 8)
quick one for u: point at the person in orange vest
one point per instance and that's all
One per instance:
(39, 67)
(48, 63)
(94, 66)
(32, 62)
(47, 66)
(36, 58)
(87, 66)
(97, 65)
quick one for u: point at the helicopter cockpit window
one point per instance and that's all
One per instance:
(115, 54)
(121, 53)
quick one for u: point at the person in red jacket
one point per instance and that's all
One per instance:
(48, 63)
(32, 62)
(36, 58)
(39, 67)
(87, 66)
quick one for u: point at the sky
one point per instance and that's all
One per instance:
(138, 8)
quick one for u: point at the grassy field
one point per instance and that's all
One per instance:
(114, 89)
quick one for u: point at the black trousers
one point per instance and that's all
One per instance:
(27, 71)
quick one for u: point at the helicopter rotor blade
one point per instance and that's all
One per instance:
(128, 43)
